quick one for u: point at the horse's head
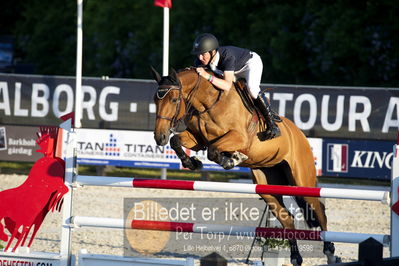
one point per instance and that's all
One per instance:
(169, 105)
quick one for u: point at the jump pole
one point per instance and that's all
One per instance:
(251, 189)
(227, 230)
(395, 202)
(69, 154)
(84, 180)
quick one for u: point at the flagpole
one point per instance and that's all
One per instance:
(78, 86)
(165, 61)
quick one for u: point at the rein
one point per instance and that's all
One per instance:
(191, 95)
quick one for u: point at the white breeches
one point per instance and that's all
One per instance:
(252, 72)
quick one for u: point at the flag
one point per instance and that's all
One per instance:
(163, 3)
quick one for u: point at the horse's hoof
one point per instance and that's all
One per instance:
(192, 163)
(227, 163)
(333, 259)
(238, 157)
(188, 163)
(329, 250)
(196, 162)
(296, 259)
(228, 167)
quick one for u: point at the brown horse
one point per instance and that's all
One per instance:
(219, 121)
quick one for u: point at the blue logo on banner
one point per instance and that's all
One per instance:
(170, 153)
(111, 148)
(358, 159)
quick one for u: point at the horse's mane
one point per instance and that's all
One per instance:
(185, 69)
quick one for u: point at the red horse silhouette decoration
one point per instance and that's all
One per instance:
(25, 207)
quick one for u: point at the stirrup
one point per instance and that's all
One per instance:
(275, 117)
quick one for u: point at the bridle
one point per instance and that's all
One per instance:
(164, 89)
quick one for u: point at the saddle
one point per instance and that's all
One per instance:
(242, 90)
(257, 116)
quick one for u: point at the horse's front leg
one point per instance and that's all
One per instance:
(187, 140)
(226, 151)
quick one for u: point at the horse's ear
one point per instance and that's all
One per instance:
(155, 74)
(173, 75)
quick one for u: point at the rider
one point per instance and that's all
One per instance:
(229, 62)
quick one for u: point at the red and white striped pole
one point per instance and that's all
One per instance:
(227, 230)
(233, 188)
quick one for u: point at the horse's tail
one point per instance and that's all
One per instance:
(308, 212)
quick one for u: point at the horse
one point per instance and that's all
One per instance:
(203, 117)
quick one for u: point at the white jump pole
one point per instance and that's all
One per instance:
(69, 155)
(165, 59)
(79, 52)
(394, 200)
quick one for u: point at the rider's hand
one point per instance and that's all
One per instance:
(201, 71)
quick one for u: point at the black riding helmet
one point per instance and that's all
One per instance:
(205, 42)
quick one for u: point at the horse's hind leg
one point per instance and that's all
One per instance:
(276, 206)
(313, 209)
(328, 247)
(226, 150)
(225, 159)
(287, 221)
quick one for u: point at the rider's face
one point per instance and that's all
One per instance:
(204, 58)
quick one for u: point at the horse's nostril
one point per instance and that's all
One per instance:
(161, 139)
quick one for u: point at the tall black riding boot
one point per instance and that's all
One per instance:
(272, 130)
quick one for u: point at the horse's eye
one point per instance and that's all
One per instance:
(175, 100)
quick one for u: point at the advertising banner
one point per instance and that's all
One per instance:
(339, 112)
(138, 149)
(362, 159)
(133, 149)
(18, 143)
(115, 147)
(333, 157)
(41, 100)
(319, 111)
